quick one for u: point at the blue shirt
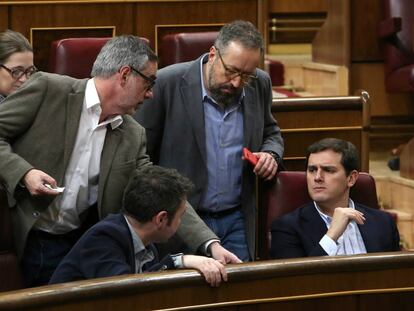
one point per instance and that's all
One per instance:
(349, 243)
(224, 143)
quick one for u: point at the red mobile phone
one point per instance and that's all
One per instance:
(250, 156)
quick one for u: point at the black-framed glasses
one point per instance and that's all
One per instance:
(150, 81)
(18, 72)
(232, 73)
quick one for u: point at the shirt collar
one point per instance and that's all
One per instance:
(138, 245)
(93, 104)
(328, 219)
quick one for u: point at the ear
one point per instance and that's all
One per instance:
(212, 54)
(161, 219)
(124, 72)
(352, 178)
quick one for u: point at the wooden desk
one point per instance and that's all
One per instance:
(382, 281)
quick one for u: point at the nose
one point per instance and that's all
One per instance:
(236, 82)
(318, 175)
(23, 78)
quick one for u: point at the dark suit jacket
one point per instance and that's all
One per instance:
(174, 122)
(298, 233)
(38, 127)
(106, 249)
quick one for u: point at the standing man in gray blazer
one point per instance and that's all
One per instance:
(202, 115)
(56, 131)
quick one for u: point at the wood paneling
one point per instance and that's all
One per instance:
(331, 44)
(406, 161)
(335, 283)
(128, 17)
(297, 6)
(4, 18)
(306, 120)
(325, 80)
(370, 77)
(149, 15)
(366, 15)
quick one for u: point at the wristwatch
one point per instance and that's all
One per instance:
(274, 155)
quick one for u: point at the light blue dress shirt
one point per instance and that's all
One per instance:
(224, 144)
(349, 243)
(142, 254)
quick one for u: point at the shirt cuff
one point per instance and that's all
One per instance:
(178, 260)
(329, 245)
(206, 246)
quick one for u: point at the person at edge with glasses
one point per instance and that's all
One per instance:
(16, 62)
(202, 115)
(67, 150)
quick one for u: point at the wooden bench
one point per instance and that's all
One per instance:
(306, 120)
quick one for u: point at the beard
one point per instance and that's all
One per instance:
(225, 94)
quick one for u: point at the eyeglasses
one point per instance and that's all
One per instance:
(150, 81)
(18, 72)
(232, 73)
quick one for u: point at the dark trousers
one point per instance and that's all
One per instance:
(44, 251)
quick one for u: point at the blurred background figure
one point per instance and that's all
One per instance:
(16, 62)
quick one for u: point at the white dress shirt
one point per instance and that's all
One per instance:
(349, 243)
(82, 174)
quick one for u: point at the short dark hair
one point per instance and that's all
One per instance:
(349, 159)
(153, 189)
(242, 32)
(12, 42)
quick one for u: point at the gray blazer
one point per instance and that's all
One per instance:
(38, 127)
(174, 121)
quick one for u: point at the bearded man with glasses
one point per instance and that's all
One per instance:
(202, 115)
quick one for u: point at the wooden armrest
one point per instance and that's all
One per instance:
(389, 27)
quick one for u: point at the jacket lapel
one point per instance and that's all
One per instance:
(191, 97)
(367, 230)
(74, 109)
(249, 117)
(112, 140)
(313, 224)
(121, 219)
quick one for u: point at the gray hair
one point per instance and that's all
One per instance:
(121, 51)
(12, 42)
(242, 32)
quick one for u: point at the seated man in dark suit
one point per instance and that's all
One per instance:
(332, 224)
(154, 202)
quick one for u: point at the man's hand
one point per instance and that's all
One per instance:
(35, 181)
(221, 254)
(340, 220)
(266, 167)
(212, 270)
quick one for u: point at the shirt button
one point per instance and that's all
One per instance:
(36, 214)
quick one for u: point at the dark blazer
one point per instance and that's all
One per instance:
(106, 249)
(298, 233)
(174, 123)
(38, 127)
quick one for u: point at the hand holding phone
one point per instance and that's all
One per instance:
(250, 156)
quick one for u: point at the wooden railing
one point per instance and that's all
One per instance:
(361, 282)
